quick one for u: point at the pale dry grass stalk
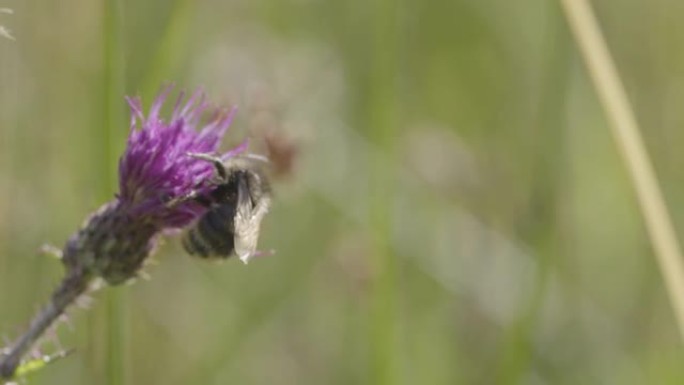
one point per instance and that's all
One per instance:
(626, 133)
(4, 32)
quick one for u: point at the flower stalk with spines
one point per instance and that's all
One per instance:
(116, 240)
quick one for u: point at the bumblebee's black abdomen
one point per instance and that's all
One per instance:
(194, 245)
(213, 234)
(216, 229)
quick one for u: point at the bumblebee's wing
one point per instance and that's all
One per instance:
(247, 220)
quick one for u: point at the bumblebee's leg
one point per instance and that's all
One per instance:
(261, 209)
(257, 157)
(51, 250)
(263, 253)
(192, 195)
(217, 162)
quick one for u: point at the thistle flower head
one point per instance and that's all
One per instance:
(156, 173)
(156, 168)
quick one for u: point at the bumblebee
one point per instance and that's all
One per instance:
(237, 203)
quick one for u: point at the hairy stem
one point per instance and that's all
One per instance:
(74, 284)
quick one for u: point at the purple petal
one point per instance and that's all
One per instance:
(155, 168)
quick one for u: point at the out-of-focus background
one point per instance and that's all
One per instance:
(450, 209)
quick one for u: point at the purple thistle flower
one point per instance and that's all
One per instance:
(154, 171)
(155, 167)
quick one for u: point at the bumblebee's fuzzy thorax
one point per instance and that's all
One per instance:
(236, 206)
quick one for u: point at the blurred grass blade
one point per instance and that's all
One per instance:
(171, 49)
(112, 139)
(383, 122)
(626, 133)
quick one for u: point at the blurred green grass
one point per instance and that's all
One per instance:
(458, 213)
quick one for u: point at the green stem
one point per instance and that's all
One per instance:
(171, 50)
(73, 285)
(111, 140)
(382, 122)
(548, 188)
